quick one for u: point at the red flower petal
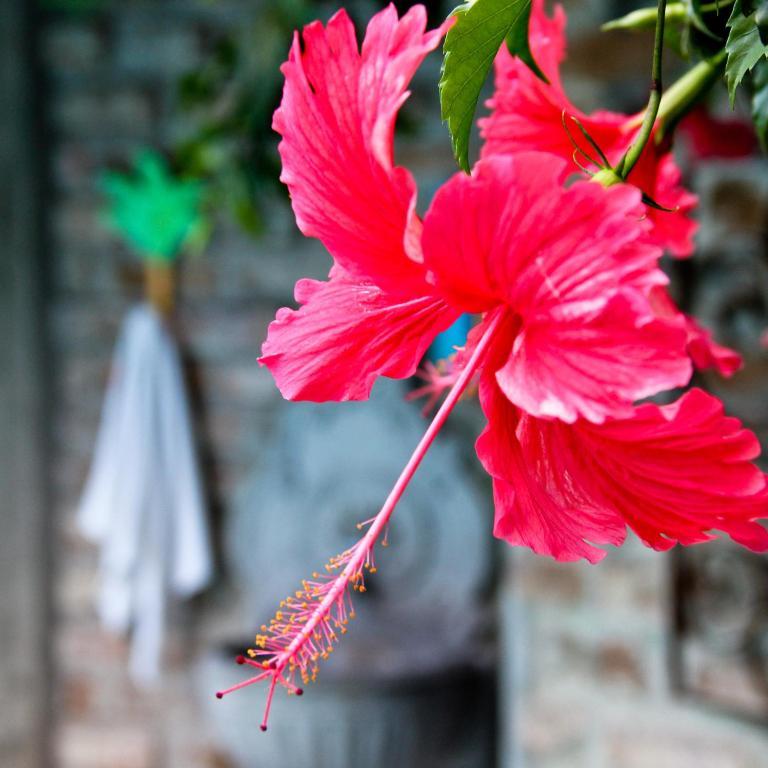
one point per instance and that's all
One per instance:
(657, 174)
(594, 367)
(337, 120)
(672, 473)
(376, 315)
(709, 136)
(512, 232)
(574, 266)
(535, 503)
(707, 353)
(346, 334)
(528, 114)
(704, 350)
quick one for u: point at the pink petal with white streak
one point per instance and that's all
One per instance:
(672, 473)
(346, 334)
(337, 120)
(574, 266)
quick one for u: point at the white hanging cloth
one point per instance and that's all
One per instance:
(143, 502)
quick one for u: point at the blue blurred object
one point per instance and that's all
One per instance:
(456, 336)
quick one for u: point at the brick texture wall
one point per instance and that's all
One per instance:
(585, 650)
(112, 79)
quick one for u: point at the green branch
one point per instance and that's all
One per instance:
(675, 12)
(686, 92)
(627, 163)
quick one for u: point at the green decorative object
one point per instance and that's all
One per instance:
(157, 213)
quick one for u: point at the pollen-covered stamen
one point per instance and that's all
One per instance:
(307, 625)
(244, 684)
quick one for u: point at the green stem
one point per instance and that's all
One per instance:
(686, 92)
(627, 163)
(646, 17)
(715, 7)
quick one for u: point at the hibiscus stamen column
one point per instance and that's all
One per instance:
(305, 628)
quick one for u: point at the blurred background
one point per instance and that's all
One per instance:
(467, 653)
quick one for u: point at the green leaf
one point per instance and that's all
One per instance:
(695, 11)
(761, 19)
(72, 5)
(760, 103)
(518, 45)
(153, 210)
(470, 47)
(744, 47)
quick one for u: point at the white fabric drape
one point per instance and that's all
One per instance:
(143, 502)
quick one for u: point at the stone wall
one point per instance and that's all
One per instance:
(585, 664)
(588, 660)
(112, 76)
(111, 87)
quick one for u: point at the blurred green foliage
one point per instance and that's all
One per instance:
(231, 96)
(230, 99)
(228, 102)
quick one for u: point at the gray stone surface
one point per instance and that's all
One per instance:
(585, 659)
(331, 466)
(412, 680)
(24, 519)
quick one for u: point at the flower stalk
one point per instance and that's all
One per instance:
(305, 628)
(687, 90)
(627, 163)
(675, 12)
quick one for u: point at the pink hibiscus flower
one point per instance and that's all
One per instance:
(568, 339)
(528, 114)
